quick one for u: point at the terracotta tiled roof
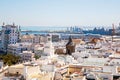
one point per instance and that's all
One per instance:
(27, 36)
(76, 41)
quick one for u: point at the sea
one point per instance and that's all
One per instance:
(46, 29)
(40, 29)
(43, 28)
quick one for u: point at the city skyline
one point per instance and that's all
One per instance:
(60, 12)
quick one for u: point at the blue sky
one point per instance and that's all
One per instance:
(60, 12)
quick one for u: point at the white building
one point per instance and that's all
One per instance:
(38, 49)
(19, 47)
(10, 35)
(48, 48)
(31, 69)
(27, 56)
(30, 38)
(1, 65)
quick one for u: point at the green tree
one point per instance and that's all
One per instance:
(36, 56)
(10, 59)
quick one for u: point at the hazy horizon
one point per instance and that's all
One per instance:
(55, 28)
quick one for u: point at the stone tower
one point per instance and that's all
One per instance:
(70, 47)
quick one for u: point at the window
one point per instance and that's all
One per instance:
(13, 31)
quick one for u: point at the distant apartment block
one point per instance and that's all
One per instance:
(26, 56)
(30, 38)
(19, 47)
(9, 35)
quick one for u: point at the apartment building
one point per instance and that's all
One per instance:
(10, 34)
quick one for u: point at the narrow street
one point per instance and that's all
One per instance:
(2, 74)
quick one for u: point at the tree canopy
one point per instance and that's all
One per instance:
(10, 59)
(36, 56)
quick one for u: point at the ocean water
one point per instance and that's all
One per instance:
(42, 28)
(42, 33)
(56, 28)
